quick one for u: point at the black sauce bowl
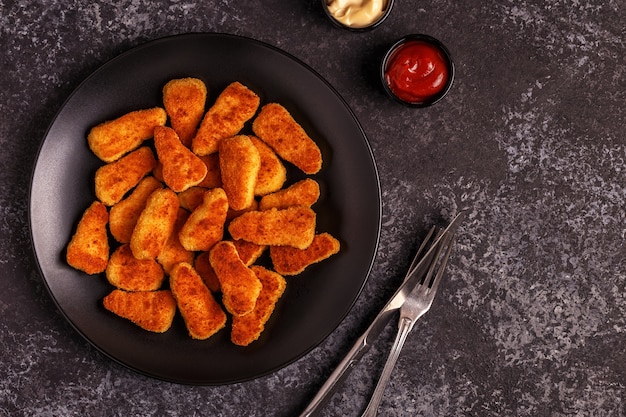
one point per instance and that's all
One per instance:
(425, 39)
(374, 24)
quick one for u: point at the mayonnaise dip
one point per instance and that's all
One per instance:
(356, 13)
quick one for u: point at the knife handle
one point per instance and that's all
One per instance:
(342, 370)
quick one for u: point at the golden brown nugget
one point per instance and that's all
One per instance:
(302, 193)
(205, 226)
(112, 139)
(276, 127)
(184, 100)
(181, 167)
(239, 165)
(128, 273)
(151, 310)
(155, 224)
(157, 172)
(272, 173)
(202, 314)
(292, 261)
(236, 213)
(232, 109)
(173, 251)
(202, 265)
(191, 198)
(247, 328)
(88, 250)
(293, 226)
(249, 252)
(114, 180)
(240, 286)
(123, 215)
(213, 176)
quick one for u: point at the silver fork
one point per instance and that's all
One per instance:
(417, 303)
(421, 266)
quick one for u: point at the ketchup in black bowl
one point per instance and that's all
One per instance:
(417, 71)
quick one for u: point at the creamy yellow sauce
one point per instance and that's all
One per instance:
(356, 13)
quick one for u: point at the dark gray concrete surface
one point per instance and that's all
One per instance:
(531, 140)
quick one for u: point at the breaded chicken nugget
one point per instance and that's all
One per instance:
(88, 249)
(272, 173)
(126, 272)
(247, 328)
(123, 215)
(213, 177)
(117, 178)
(205, 226)
(292, 261)
(276, 127)
(240, 286)
(233, 108)
(155, 224)
(202, 314)
(293, 226)
(151, 310)
(184, 100)
(203, 267)
(302, 193)
(236, 213)
(191, 198)
(239, 165)
(157, 172)
(110, 140)
(181, 167)
(173, 251)
(249, 252)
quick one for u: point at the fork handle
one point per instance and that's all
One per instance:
(404, 327)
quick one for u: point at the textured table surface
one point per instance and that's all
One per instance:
(531, 140)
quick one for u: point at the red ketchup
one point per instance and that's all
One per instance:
(417, 71)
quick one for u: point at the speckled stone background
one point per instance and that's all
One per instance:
(531, 140)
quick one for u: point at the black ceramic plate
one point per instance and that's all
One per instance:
(314, 302)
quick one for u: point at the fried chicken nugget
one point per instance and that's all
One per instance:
(203, 316)
(155, 224)
(181, 167)
(239, 165)
(249, 252)
(247, 328)
(157, 172)
(276, 127)
(173, 251)
(240, 286)
(114, 180)
(213, 176)
(233, 108)
(151, 310)
(128, 273)
(112, 139)
(205, 226)
(272, 173)
(292, 261)
(202, 265)
(302, 193)
(236, 213)
(191, 198)
(184, 100)
(88, 250)
(293, 226)
(123, 215)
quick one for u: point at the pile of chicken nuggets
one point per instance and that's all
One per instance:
(186, 203)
